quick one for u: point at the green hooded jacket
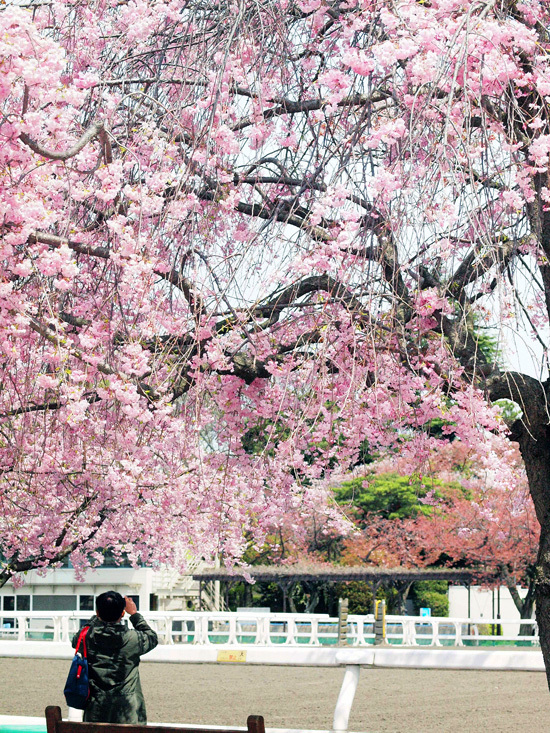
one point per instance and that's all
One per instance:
(113, 657)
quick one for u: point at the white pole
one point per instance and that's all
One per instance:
(345, 698)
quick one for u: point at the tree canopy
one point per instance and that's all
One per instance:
(393, 496)
(483, 526)
(297, 215)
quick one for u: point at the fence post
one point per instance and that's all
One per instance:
(315, 632)
(409, 632)
(380, 622)
(22, 628)
(232, 630)
(345, 698)
(263, 630)
(64, 635)
(343, 605)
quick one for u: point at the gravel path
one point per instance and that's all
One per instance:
(397, 700)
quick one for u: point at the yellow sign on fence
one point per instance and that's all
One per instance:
(228, 655)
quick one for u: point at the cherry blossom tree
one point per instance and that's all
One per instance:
(486, 527)
(286, 218)
(496, 533)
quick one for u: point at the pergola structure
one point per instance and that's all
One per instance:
(285, 576)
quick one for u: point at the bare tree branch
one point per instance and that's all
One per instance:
(92, 132)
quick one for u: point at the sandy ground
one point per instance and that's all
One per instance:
(399, 700)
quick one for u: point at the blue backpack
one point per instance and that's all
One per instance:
(77, 687)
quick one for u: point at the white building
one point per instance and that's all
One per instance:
(480, 603)
(152, 590)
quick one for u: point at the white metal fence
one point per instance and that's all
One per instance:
(274, 629)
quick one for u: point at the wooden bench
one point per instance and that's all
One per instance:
(55, 724)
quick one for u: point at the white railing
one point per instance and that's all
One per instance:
(276, 629)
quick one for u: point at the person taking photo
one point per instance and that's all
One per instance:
(114, 653)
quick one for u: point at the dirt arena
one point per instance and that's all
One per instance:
(398, 700)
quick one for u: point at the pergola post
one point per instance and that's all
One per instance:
(227, 586)
(285, 585)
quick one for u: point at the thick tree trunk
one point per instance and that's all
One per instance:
(290, 597)
(524, 605)
(543, 597)
(533, 435)
(314, 596)
(402, 589)
(527, 611)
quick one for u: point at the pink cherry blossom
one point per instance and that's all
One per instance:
(241, 243)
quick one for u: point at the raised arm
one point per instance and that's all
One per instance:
(148, 638)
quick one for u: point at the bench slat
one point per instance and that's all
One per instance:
(55, 724)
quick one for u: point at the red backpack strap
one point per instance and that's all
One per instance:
(82, 639)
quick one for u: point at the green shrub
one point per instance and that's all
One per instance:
(391, 496)
(359, 595)
(438, 602)
(431, 594)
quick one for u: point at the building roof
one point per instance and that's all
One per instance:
(332, 573)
